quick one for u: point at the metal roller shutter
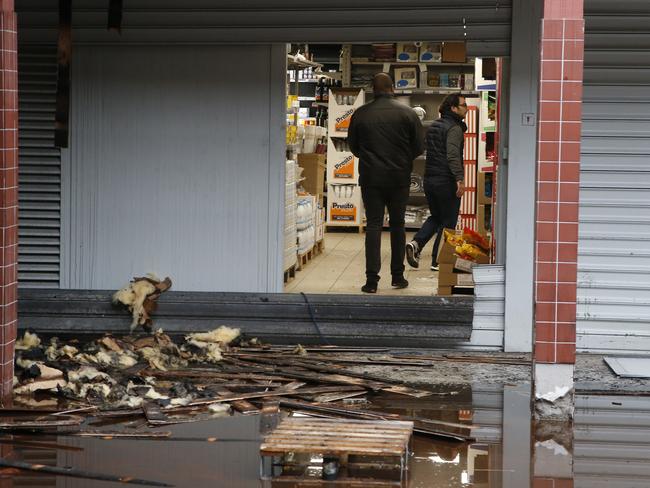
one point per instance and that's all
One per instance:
(39, 198)
(614, 234)
(484, 24)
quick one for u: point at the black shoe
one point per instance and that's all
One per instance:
(413, 254)
(400, 283)
(369, 287)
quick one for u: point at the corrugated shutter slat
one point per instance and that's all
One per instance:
(39, 170)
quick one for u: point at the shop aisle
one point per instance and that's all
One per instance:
(341, 269)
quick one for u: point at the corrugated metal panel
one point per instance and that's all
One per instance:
(484, 24)
(611, 441)
(39, 169)
(176, 166)
(614, 234)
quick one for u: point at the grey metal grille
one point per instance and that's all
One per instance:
(614, 234)
(39, 169)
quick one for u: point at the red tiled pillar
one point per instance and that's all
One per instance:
(8, 194)
(558, 176)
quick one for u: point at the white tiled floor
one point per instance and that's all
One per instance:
(341, 269)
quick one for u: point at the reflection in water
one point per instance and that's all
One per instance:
(609, 446)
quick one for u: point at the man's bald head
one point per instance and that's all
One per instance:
(382, 84)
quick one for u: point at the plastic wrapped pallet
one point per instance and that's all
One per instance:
(290, 229)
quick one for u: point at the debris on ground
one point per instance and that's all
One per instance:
(140, 296)
(202, 375)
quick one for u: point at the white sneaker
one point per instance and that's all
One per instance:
(413, 254)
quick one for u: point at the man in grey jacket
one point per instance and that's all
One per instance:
(386, 136)
(444, 176)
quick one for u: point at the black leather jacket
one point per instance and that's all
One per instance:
(386, 136)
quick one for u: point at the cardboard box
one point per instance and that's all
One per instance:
(484, 197)
(446, 252)
(480, 220)
(455, 279)
(454, 52)
(407, 52)
(344, 204)
(430, 52)
(314, 168)
(406, 77)
(340, 114)
(342, 166)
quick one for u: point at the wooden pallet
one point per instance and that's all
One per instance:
(319, 248)
(357, 446)
(304, 258)
(290, 274)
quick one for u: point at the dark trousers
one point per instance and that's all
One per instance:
(375, 199)
(444, 206)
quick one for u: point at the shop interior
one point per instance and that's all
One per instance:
(324, 216)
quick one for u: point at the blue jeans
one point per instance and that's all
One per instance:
(444, 206)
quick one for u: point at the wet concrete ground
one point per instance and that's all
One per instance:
(607, 446)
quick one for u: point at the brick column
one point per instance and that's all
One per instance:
(558, 175)
(8, 194)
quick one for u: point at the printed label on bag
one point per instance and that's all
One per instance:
(343, 212)
(343, 121)
(345, 167)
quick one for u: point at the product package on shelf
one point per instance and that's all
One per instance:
(344, 204)
(407, 52)
(342, 104)
(406, 77)
(430, 52)
(342, 166)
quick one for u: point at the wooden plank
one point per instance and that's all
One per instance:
(242, 406)
(347, 377)
(273, 393)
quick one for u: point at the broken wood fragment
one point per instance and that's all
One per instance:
(40, 422)
(272, 393)
(242, 406)
(153, 414)
(76, 473)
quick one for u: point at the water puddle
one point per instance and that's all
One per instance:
(608, 446)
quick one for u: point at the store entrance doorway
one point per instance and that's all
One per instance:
(324, 222)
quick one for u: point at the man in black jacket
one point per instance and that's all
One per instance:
(386, 136)
(444, 176)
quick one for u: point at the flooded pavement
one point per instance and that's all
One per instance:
(608, 446)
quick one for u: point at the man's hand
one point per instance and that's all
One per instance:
(460, 188)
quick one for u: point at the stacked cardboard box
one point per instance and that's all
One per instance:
(313, 174)
(455, 271)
